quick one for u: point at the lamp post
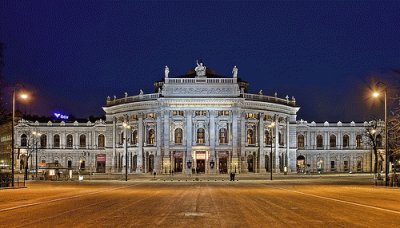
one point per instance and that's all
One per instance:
(126, 127)
(271, 126)
(22, 96)
(377, 94)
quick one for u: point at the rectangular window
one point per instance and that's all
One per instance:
(223, 113)
(178, 113)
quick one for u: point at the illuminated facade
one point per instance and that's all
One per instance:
(198, 123)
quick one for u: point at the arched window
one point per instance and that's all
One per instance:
(346, 141)
(70, 141)
(178, 136)
(332, 141)
(43, 141)
(101, 141)
(24, 141)
(223, 136)
(151, 138)
(320, 143)
(300, 141)
(251, 138)
(358, 141)
(56, 141)
(82, 141)
(267, 139)
(200, 135)
(134, 139)
(379, 141)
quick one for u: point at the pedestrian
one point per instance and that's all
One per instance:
(154, 173)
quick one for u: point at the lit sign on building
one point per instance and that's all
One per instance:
(61, 116)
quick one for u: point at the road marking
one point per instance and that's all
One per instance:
(342, 201)
(61, 199)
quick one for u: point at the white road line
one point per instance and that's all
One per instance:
(343, 201)
(60, 199)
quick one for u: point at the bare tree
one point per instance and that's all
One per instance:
(373, 132)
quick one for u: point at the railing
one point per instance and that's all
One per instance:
(257, 97)
(200, 80)
(143, 97)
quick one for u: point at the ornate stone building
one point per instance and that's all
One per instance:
(199, 122)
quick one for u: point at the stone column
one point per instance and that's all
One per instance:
(158, 156)
(276, 135)
(189, 140)
(213, 137)
(287, 155)
(262, 143)
(166, 136)
(139, 166)
(114, 135)
(243, 138)
(235, 142)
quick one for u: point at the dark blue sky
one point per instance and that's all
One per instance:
(74, 54)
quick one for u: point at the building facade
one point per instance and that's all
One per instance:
(197, 123)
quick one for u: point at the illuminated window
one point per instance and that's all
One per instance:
(43, 141)
(319, 141)
(134, 139)
(82, 141)
(251, 116)
(251, 138)
(56, 141)
(223, 113)
(101, 141)
(178, 113)
(223, 136)
(332, 141)
(201, 113)
(300, 141)
(70, 141)
(178, 136)
(200, 135)
(267, 139)
(151, 115)
(151, 138)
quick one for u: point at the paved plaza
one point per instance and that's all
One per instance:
(317, 201)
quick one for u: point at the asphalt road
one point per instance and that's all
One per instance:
(146, 203)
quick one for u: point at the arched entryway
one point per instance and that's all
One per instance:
(134, 163)
(250, 163)
(151, 163)
(300, 164)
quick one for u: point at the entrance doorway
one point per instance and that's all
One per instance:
(200, 166)
(300, 164)
(100, 163)
(223, 165)
(250, 163)
(178, 165)
(151, 163)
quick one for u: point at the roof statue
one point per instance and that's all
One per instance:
(166, 72)
(235, 71)
(200, 69)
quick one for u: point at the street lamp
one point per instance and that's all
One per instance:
(36, 136)
(126, 127)
(23, 96)
(271, 126)
(377, 94)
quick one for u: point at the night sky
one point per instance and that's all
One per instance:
(73, 54)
